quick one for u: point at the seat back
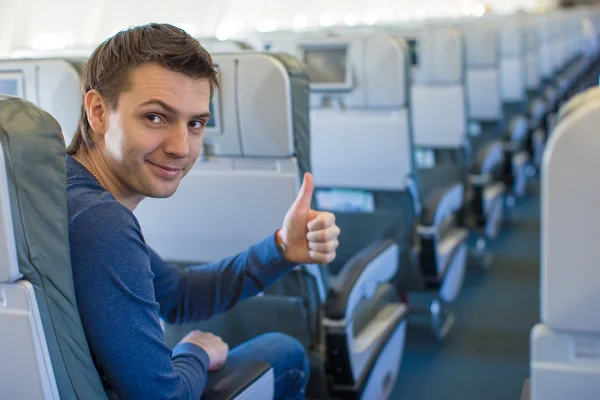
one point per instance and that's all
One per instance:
(532, 43)
(43, 351)
(52, 84)
(549, 46)
(437, 93)
(483, 72)
(360, 122)
(564, 355)
(513, 60)
(559, 35)
(361, 141)
(568, 292)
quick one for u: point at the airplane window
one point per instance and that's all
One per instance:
(326, 65)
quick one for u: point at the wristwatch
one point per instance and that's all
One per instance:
(281, 246)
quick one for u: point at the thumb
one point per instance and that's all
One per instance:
(306, 192)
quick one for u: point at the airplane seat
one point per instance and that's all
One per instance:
(513, 77)
(42, 82)
(564, 345)
(438, 106)
(362, 156)
(257, 149)
(485, 114)
(44, 351)
(537, 108)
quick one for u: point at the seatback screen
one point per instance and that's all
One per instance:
(326, 65)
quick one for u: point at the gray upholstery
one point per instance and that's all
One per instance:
(450, 166)
(35, 155)
(393, 218)
(300, 92)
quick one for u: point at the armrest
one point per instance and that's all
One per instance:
(488, 158)
(440, 205)
(232, 380)
(537, 109)
(375, 264)
(518, 128)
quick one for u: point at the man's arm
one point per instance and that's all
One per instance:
(197, 293)
(115, 296)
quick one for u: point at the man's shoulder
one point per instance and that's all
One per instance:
(85, 201)
(89, 204)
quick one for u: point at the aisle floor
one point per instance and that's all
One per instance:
(486, 355)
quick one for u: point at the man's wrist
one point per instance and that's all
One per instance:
(280, 243)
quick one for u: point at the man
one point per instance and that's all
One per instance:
(146, 93)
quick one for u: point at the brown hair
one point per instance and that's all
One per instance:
(111, 63)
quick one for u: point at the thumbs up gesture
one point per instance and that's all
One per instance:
(310, 237)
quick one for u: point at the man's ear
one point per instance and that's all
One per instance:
(97, 111)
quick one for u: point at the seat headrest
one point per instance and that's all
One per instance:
(33, 150)
(441, 55)
(364, 71)
(481, 45)
(512, 37)
(531, 36)
(260, 108)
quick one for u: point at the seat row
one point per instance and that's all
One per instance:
(415, 138)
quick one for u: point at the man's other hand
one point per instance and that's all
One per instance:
(310, 237)
(213, 345)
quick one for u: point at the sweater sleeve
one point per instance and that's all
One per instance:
(120, 315)
(197, 293)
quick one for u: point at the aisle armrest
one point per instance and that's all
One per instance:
(360, 276)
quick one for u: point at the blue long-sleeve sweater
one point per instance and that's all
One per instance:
(122, 287)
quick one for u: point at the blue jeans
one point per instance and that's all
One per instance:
(286, 356)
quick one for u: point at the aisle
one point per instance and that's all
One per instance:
(486, 355)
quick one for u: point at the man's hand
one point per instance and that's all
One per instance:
(213, 345)
(311, 237)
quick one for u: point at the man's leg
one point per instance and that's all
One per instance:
(286, 356)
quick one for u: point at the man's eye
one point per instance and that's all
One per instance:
(197, 124)
(154, 118)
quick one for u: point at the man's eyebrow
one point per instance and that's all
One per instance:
(172, 110)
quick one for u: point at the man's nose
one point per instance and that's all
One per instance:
(176, 143)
